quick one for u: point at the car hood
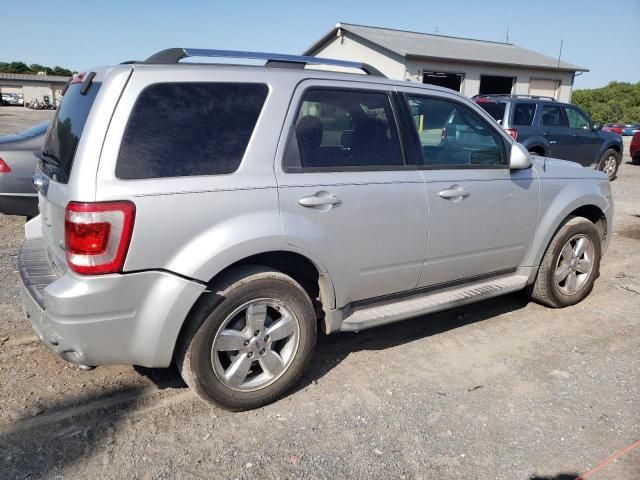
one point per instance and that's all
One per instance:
(556, 168)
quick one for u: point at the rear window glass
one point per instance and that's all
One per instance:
(496, 110)
(523, 114)
(66, 130)
(184, 129)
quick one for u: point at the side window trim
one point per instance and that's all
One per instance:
(413, 137)
(292, 161)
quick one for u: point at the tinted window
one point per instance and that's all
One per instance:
(552, 116)
(182, 129)
(337, 128)
(453, 135)
(523, 114)
(66, 129)
(496, 110)
(577, 119)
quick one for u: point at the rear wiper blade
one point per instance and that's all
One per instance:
(48, 157)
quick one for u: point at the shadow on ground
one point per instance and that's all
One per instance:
(71, 429)
(79, 427)
(333, 349)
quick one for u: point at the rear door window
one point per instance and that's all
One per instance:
(552, 116)
(66, 129)
(344, 129)
(186, 129)
(523, 114)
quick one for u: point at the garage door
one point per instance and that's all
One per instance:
(543, 88)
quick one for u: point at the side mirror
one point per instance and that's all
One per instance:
(596, 126)
(520, 158)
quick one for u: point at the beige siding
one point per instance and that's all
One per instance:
(347, 47)
(543, 87)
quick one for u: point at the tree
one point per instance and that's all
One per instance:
(33, 69)
(618, 102)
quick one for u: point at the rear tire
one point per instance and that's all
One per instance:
(570, 265)
(609, 163)
(249, 340)
(636, 160)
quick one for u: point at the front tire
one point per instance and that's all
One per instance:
(249, 340)
(636, 160)
(609, 163)
(570, 265)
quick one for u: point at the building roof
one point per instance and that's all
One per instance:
(442, 47)
(33, 78)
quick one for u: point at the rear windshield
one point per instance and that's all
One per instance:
(496, 110)
(184, 129)
(66, 130)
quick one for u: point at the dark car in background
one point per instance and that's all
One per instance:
(634, 149)
(554, 129)
(17, 166)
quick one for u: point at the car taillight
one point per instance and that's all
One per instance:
(513, 133)
(4, 168)
(97, 236)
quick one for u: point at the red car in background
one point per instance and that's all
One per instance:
(614, 127)
(634, 149)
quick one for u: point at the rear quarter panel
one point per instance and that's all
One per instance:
(196, 226)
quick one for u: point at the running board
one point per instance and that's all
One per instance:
(391, 311)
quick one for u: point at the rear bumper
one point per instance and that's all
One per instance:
(24, 205)
(17, 196)
(132, 319)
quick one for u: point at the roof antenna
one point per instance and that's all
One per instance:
(507, 33)
(560, 53)
(437, 30)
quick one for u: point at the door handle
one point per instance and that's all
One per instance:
(547, 134)
(320, 200)
(454, 192)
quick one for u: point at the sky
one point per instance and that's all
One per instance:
(599, 35)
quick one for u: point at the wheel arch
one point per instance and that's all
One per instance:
(592, 207)
(307, 272)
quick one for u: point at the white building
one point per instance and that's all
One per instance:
(33, 87)
(469, 66)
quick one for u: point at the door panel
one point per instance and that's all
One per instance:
(488, 230)
(587, 142)
(373, 241)
(482, 215)
(345, 192)
(562, 144)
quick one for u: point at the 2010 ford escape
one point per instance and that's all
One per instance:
(215, 215)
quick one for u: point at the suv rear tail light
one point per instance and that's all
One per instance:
(4, 168)
(97, 236)
(513, 133)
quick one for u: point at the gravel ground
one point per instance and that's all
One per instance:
(504, 389)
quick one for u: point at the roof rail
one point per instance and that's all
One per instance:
(508, 95)
(174, 55)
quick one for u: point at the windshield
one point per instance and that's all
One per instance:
(66, 130)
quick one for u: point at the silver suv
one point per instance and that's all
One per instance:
(214, 216)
